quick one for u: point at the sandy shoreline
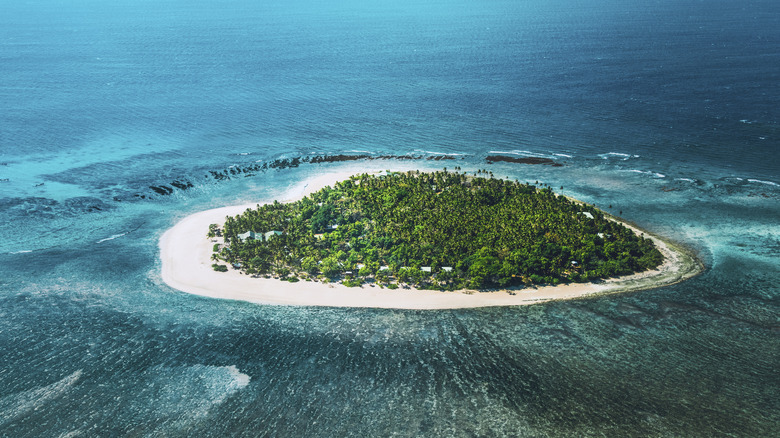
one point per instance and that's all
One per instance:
(186, 265)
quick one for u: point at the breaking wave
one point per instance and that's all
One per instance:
(647, 172)
(115, 236)
(620, 155)
(769, 183)
(16, 405)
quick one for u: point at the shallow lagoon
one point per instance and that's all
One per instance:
(92, 326)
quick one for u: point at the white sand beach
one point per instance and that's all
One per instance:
(185, 253)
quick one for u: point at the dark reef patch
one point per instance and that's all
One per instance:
(522, 160)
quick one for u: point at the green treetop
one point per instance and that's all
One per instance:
(442, 230)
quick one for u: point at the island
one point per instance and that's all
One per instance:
(415, 239)
(440, 230)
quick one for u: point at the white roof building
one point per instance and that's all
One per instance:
(250, 235)
(270, 234)
(258, 236)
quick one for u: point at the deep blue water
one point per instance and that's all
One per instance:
(667, 111)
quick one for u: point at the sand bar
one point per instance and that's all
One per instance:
(185, 253)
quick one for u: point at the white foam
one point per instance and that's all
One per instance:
(24, 251)
(564, 155)
(685, 179)
(621, 155)
(111, 238)
(422, 151)
(240, 380)
(16, 405)
(769, 183)
(520, 153)
(183, 395)
(214, 383)
(646, 172)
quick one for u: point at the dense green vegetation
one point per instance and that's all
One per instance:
(440, 230)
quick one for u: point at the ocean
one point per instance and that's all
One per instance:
(118, 119)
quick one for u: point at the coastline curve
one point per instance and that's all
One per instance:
(186, 266)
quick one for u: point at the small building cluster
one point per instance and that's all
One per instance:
(258, 236)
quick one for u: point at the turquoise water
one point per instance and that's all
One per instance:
(667, 112)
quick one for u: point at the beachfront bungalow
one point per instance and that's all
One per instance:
(446, 268)
(270, 234)
(250, 235)
(384, 268)
(258, 236)
(587, 214)
(426, 269)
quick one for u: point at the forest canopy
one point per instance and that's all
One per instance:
(441, 230)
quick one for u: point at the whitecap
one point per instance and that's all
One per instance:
(422, 151)
(769, 183)
(620, 155)
(520, 153)
(646, 172)
(240, 380)
(564, 155)
(24, 251)
(111, 238)
(531, 154)
(685, 179)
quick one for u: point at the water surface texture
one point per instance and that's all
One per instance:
(117, 119)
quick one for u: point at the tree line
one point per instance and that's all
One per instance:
(441, 230)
